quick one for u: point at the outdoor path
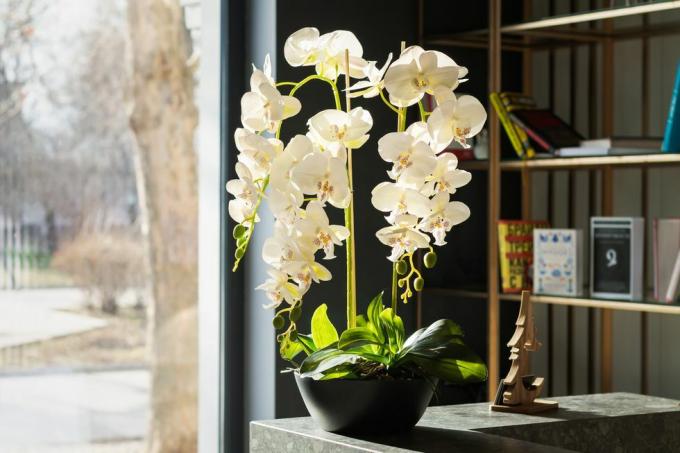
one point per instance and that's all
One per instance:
(31, 315)
(69, 412)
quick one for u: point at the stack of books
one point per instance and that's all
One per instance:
(535, 132)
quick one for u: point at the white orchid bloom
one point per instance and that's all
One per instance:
(397, 200)
(325, 176)
(263, 108)
(338, 127)
(412, 159)
(417, 72)
(296, 150)
(443, 216)
(456, 119)
(316, 225)
(285, 204)
(257, 152)
(403, 236)
(258, 77)
(246, 193)
(306, 47)
(370, 88)
(446, 177)
(279, 288)
(293, 253)
(305, 271)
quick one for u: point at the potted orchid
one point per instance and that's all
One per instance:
(370, 375)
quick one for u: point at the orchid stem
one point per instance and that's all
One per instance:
(349, 221)
(394, 288)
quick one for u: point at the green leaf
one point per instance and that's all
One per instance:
(289, 349)
(393, 327)
(375, 307)
(357, 336)
(466, 367)
(323, 332)
(361, 321)
(325, 359)
(428, 341)
(307, 343)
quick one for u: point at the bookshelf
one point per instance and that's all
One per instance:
(551, 33)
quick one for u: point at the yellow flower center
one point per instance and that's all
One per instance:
(420, 81)
(338, 132)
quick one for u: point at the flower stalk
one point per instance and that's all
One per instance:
(349, 222)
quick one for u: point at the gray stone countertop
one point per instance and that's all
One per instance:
(617, 422)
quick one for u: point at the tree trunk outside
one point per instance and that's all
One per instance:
(164, 119)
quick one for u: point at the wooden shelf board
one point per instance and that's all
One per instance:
(532, 27)
(579, 162)
(646, 307)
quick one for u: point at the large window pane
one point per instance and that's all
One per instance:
(97, 305)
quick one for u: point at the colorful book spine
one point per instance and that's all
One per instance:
(671, 140)
(515, 246)
(510, 128)
(518, 101)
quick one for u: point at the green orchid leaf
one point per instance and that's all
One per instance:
(394, 330)
(361, 321)
(326, 359)
(289, 349)
(307, 343)
(431, 339)
(323, 331)
(467, 367)
(375, 307)
(358, 336)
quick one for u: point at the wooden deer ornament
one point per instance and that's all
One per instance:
(519, 391)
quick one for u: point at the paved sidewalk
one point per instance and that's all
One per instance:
(68, 412)
(31, 315)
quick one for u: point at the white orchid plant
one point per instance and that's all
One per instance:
(313, 171)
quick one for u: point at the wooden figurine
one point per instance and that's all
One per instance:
(519, 390)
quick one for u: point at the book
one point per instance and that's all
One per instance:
(548, 130)
(515, 247)
(511, 129)
(517, 101)
(671, 138)
(616, 255)
(673, 284)
(558, 262)
(665, 248)
(652, 143)
(583, 151)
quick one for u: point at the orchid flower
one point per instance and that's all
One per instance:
(279, 289)
(403, 236)
(257, 152)
(296, 150)
(397, 200)
(316, 226)
(293, 253)
(417, 72)
(446, 177)
(370, 88)
(412, 159)
(263, 108)
(338, 127)
(444, 214)
(325, 176)
(306, 47)
(456, 119)
(285, 204)
(246, 194)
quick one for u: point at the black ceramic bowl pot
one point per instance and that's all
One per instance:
(371, 406)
